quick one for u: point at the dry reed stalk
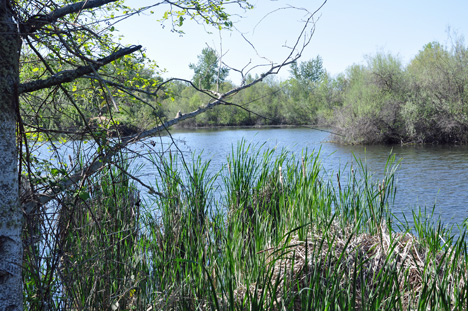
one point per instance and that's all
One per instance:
(375, 254)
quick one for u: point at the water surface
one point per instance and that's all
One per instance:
(428, 175)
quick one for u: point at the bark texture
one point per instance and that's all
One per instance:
(11, 250)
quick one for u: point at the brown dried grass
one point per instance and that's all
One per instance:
(342, 251)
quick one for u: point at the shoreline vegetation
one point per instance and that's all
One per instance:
(282, 234)
(381, 101)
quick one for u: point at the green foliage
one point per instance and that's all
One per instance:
(287, 238)
(304, 102)
(371, 101)
(115, 98)
(425, 102)
(310, 71)
(208, 72)
(207, 12)
(382, 101)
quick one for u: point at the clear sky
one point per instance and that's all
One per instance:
(346, 31)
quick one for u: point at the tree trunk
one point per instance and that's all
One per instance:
(11, 249)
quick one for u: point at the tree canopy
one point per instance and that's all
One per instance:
(310, 71)
(208, 71)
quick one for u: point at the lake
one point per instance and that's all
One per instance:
(427, 174)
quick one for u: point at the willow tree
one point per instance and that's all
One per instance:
(70, 40)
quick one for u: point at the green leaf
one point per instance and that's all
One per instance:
(84, 195)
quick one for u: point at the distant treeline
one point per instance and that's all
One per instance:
(381, 101)
(425, 101)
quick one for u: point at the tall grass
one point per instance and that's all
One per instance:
(286, 236)
(271, 231)
(87, 255)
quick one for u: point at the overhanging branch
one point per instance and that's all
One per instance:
(100, 161)
(70, 75)
(36, 22)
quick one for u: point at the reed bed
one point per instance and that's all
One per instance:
(272, 231)
(286, 235)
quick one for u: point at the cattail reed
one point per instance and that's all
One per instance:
(303, 168)
(272, 240)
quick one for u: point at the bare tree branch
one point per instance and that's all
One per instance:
(296, 50)
(36, 22)
(70, 75)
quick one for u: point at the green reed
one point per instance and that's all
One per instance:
(270, 231)
(89, 256)
(285, 235)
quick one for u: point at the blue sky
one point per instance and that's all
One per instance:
(346, 31)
